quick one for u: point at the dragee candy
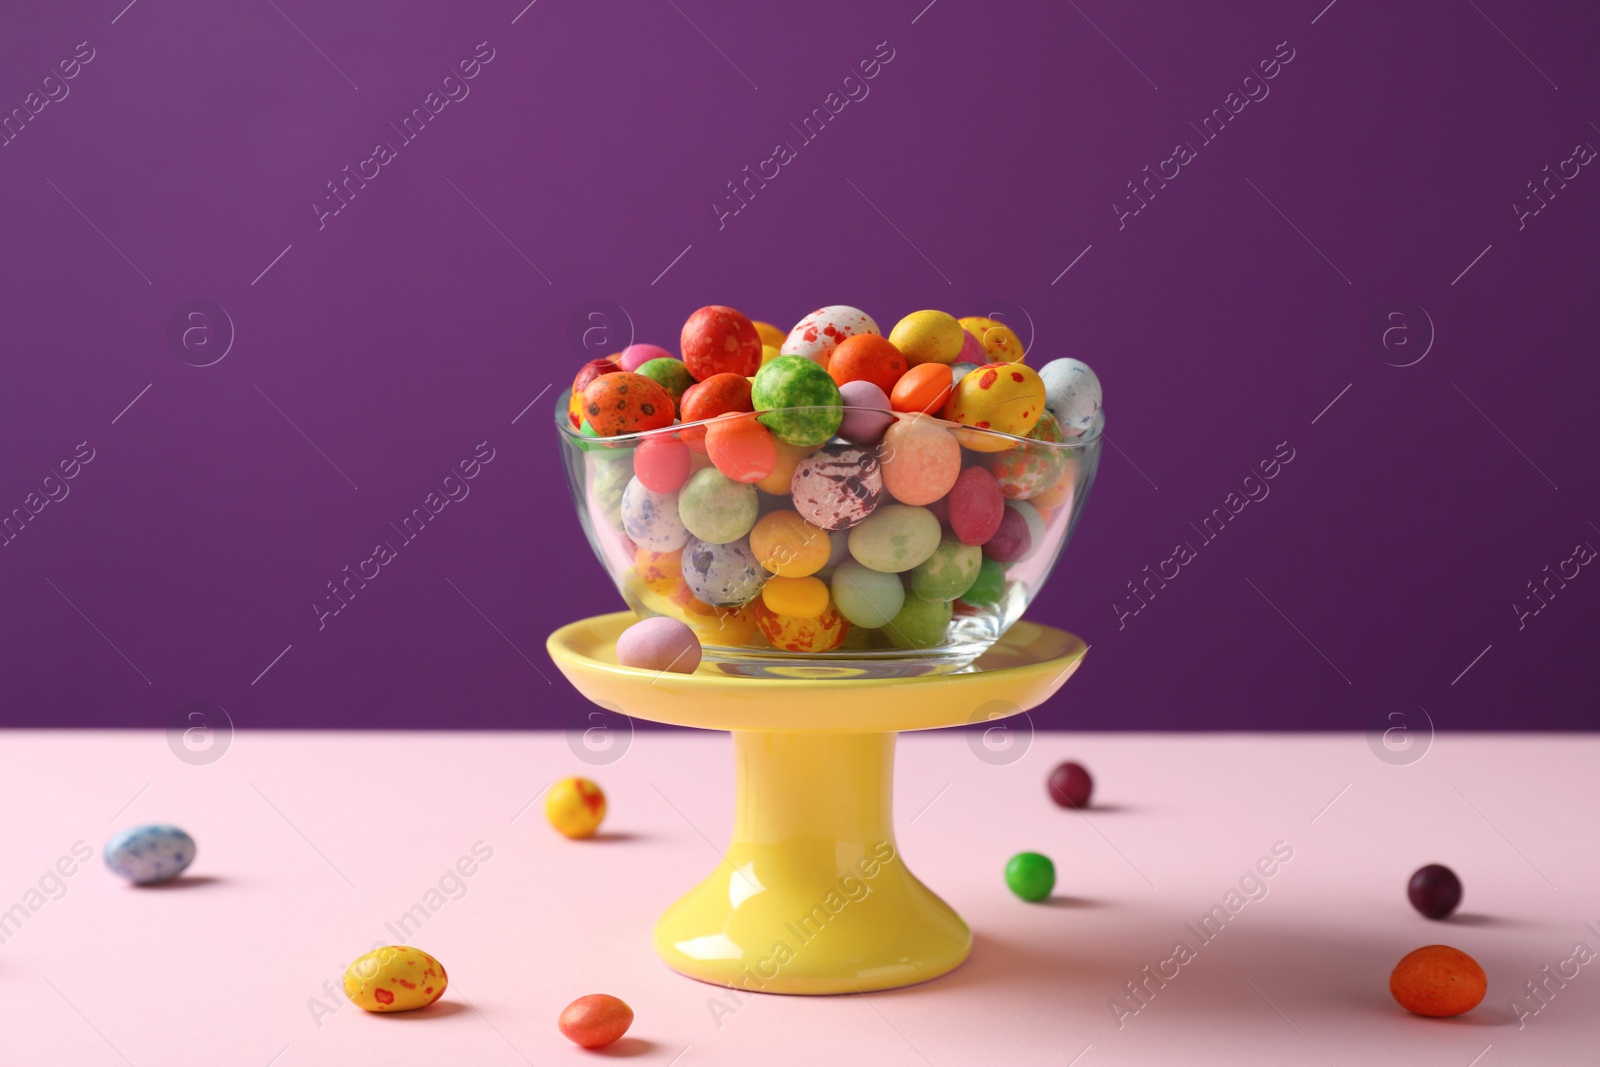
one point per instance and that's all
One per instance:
(976, 505)
(919, 623)
(394, 978)
(788, 545)
(867, 358)
(635, 356)
(715, 508)
(998, 342)
(722, 575)
(949, 572)
(895, 538)
(575, 807)
(595, 1021)
(148, 855)
(920, 459)
(1031, 876)
(815, 336)
(1005, 397)
(1027, 470)
(651, 519)
(798, 402)
(866, 597)
(668, 373)
(837, 486)
(866, 413)
(659, 644)
(1438, 981)
(1071, 786)
(1435, 891)
(928, 337)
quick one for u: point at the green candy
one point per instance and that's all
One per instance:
(715, 508)
(866, 597)
(1031, 876)
(949, 572)
(895, 538)
(794, 382)
(990, 585)
(919, 624)
(671, 374)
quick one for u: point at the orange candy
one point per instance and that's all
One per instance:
(595, 1021)
(866, 357)
(717, 395)
(923, 388)
(788, 545)
(1438, 981)
(623, 402)
(741, 448)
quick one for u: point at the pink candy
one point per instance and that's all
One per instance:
(976, 506)
(635, 356)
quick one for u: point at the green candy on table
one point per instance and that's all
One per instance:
(990, 585)
(794, 382)
(1031, 876)
(919, 624)
(949, 572)
(671, 374)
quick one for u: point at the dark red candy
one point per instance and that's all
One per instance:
(976, 506)
(1435, 891)
(1012, 540)
(1071, 786)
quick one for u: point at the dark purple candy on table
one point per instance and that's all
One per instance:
(1071, 786)
(1435, 891)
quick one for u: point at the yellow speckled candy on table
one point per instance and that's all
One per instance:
(999, 341)
(824, 633)
(575, 807)
(1008, 397)
(395, 978)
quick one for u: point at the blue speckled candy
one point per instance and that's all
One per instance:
(145, 855)
(651, 520)
(722, 575)
(1072, 393)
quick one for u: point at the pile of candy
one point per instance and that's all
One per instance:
(788, 488)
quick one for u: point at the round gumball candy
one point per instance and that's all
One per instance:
(718, 340)
(819, 333)
(949, 572)
(1029, 469)
(1072, 391)
(1071, 786)
(820, 633)
(1435, 891)
(624, 402)
(989, 587)
(575, 807)
(595, 1021)
(999, 342)
(661, 572)
(635, 356)
(1005, 397)
(788, 458)
(919, 623)
(661, 463)
(1438, 981)
(798, 402)
(670, 374)
(771, 336)
(837, 486)
(788, 545)
(895, 538)
(394, 978)
(741, 448)
(1031, 876)
(976, 506)
(586, 374)
(866, 413)
(659, 644)
(722, 575)
(867, 358)
(921, 460)
(924, 389)
(928, 337)
(866, 597)
(803, 598)
(652, 519)
(715, 508)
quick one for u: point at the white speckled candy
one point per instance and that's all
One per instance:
(651, 519)
(816, 335)
(837, 486)
(145, 855)
(659, 644)
(1072, 393)
(722, 575)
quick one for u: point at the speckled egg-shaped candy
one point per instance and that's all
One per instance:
(819, 333)
(999, 342)
(1072, 391)
(921, 460)
(651, 520)
(715, 508)
(147, 855)
(395, 978)
(949, 572)
(719, 340)
(1006, 397)
(895, 538)
(625, 402)
(659, 644)
(820, 633)
(1028, 470)
(586, 374)
(798, 401)
(722, 575)
(837, 486)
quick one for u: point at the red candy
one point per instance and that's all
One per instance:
(867, 357)
(719, 340)
(717, 395)
(976, 506)
(624, 402)
(595, 1021)
(661, 463)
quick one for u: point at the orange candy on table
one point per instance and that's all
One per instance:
(788, 545)
(595, 1021)
(741, 448)
(923, 388)
(802, 598)
(1438, 981)
(867, 357)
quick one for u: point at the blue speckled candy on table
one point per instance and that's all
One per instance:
(145, 855)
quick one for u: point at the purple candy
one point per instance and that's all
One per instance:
(1012, 540)
(863, 424)
(635, 356)
(659, 644)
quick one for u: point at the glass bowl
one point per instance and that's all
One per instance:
(1045, 482)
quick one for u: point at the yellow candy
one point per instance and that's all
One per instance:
(771, 336)
(1007, 397)
(575, 807)
(999, 341)
(769, 353)
(928, 337)
(803, 598)
(729, 627)
(789, 457)
(824, 633)
(788, 545)
(660, 571)
(394, 978)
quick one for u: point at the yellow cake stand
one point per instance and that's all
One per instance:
(814, 896)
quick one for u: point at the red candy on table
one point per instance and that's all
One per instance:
(976, 506)
(1071, 786)
(595, 1021)
(719, 340)
(624, 402)
(1435, 891)
(662, 463)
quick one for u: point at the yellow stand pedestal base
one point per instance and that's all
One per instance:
(814, 896)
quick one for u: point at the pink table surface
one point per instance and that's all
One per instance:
(310, 843)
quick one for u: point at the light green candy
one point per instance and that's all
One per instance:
(949, 572)
(895, 538)
(919, 624)
(671, 374)
(866, 597)
(715, 508)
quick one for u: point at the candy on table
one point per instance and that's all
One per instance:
(661, 572)
(741, 448)
(867, 358)
(1005, 397)
(998, 342)
(1438, 981)
(1028, 470)
(651, 519)
(866, 413)
(668, 373)
(919, 623)
(975, 506)
(718, 340)
(771, 336)
(1071, 786)
(989, 587)
(722, 575)
(949, 572)
(595, 1021)
(866, 597)
(659, 644)
(1031, 876)
(819, 633)
(788, 545)
(928, 337)
(394, 978)
(586, 374)
(798, 402)
(635, 356)
(625, 402)
(924, 388)
(895, 538)
(575, 807)
(1435, 891)
(802, 598)
(1072, 391)
(715, 508)
(149, 855)
(815, 336)
(837, 486)
(921, 460)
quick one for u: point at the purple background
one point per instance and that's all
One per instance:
(407, 330)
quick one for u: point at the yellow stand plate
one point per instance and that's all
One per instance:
(815, 896)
